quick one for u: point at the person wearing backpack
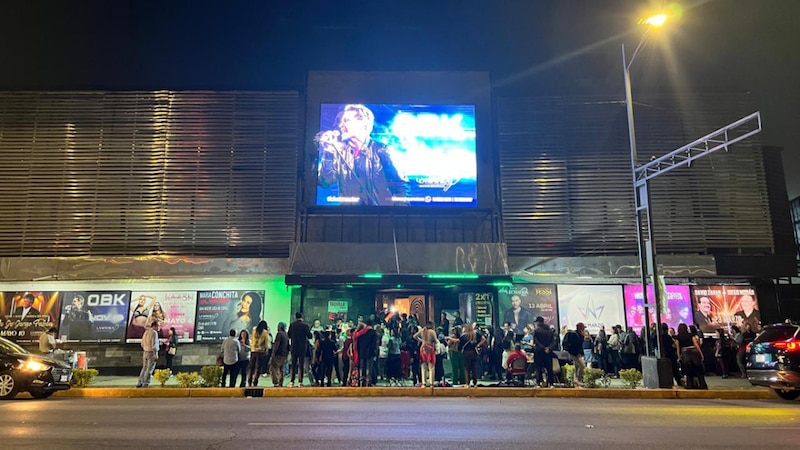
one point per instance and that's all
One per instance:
(629, 350)
(573, 344)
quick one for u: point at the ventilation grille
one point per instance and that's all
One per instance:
(566, 179)
(143, 173)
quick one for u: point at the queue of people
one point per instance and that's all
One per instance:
(397, 349)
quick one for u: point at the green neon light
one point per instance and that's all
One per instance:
(372, 275)
(460, 276)
(501, 283)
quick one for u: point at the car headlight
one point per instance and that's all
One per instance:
(34, 366)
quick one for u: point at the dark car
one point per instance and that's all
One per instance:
(773, 360)
(22, 371)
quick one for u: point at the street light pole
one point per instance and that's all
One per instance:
(641, 194)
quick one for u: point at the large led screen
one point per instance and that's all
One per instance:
(676, 308)
(594, 305)
(723, 306)
(396, 155)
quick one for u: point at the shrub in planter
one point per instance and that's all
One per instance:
(594, 378)
(569, 375)
(211, 376)
(631, 378)
(162, 376)
(83, 377)
(188, 380)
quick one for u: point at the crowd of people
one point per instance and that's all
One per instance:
(397, 350)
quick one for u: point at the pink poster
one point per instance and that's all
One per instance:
(676, 308)
(172, 309)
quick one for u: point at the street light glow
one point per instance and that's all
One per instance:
(656, 21)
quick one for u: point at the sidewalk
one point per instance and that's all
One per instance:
(124, 387)
(714, 383)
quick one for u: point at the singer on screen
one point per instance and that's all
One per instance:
(360, 167)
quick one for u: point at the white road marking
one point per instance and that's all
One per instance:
(776, 428)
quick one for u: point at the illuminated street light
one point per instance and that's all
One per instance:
(642, 196)
(655, 21)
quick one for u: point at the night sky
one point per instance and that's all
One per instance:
(530, 47)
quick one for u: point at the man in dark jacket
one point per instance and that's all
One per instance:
(367, 351)
(573, 344)
(299, 334)
(280, 350)
(543, 351)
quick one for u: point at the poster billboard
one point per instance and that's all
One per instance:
(171, 308)
(220, 311)
(26, 315)
(723, 306)
(477, 307)
(94, 316)
(675, 309)
(594, 305)
(520, 304)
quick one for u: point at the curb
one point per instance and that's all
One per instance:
(484, 392)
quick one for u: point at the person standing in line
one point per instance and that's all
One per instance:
(720, 345)
(346, 351)
(741, 350)
(299, 334)
(244, 356)
(280, 350)
(543, 351)
(230, 358)
(366, 341)
(573, 344)
(327, 357)
(172, 348)
(258, 353)
(469, 343)
(149, 354)
(427, 354)
(455, 356)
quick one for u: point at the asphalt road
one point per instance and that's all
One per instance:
(376, 423)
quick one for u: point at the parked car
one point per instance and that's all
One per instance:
(773, 360)
(22, 371)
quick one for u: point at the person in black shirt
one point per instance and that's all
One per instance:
(367, 344)
(299, 334)
(543, 351)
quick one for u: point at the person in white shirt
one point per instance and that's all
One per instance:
(47, 341)
(149, 354)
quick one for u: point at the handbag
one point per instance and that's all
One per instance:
(172, 351)
(220, 360)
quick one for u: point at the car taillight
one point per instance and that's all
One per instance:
(790, 345)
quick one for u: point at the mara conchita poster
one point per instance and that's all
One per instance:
(220, 311)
